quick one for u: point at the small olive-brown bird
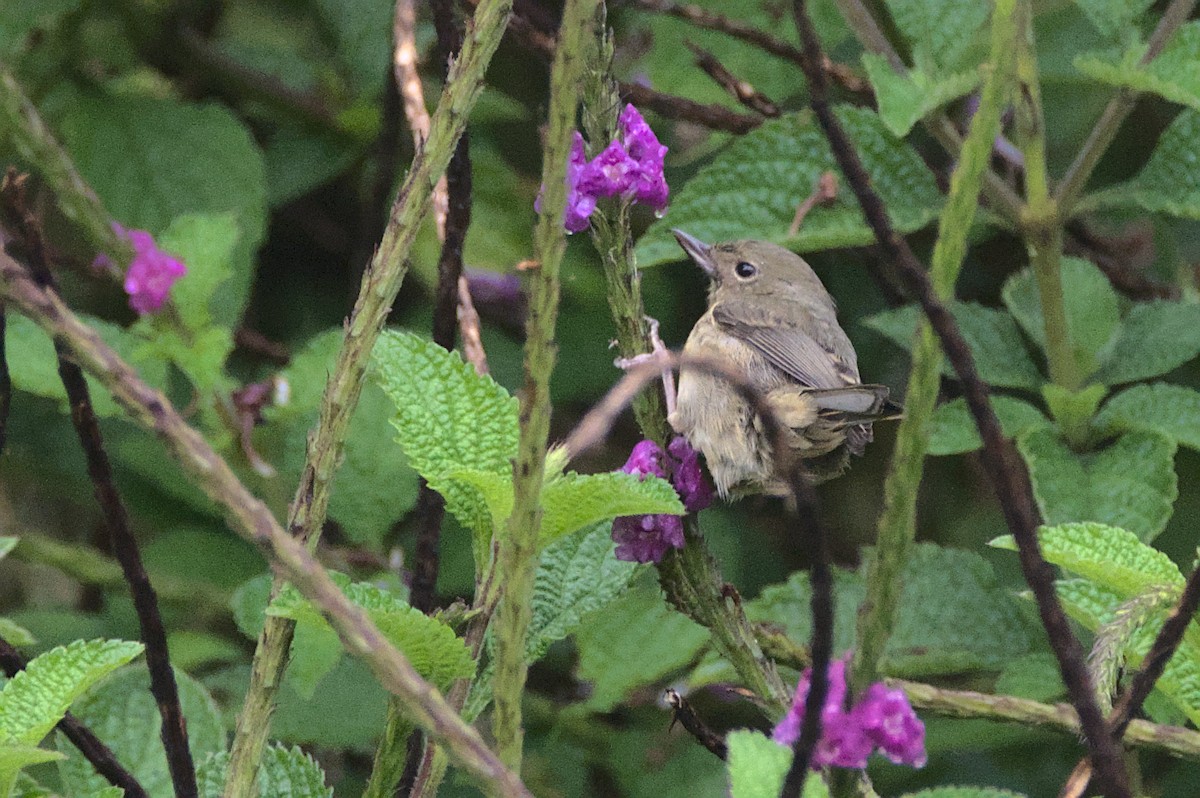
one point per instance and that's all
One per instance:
(771, 320)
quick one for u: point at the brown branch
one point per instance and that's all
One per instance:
(694, 725)
(116, 516)
(1008, 476)
(84, 739)
(741, 90)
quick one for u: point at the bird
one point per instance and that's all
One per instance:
(771, 321)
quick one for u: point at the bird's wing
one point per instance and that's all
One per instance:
(786, 346)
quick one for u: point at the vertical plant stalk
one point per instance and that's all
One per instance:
(690, 578)
(898, 522)
(518, 544)
(5, 382)
(1041, 223)
(253, 521)
(1004, 468)
(173, 729)
(380, 284)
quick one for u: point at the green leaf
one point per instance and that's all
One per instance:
(906, 99)
(1174, 73)
(151, 160)
(574, 501)
(205, 242)
(34, 700)
(1106, 555)
(1156, 337)
(578, 574)
(758, 767)
(7, 544)
(1130, 484)
(963, 792)
(16, 634)
(22, 20)
(751, 189)
(430, 645)
(1169, 182)
(953, 428)
(1034, 676)
(1113, 17)
(125, 716)
(632, 642)
(1170, 410)
(361, 30)
(925, 23)
(448, 418)
(14, 758)
(1090, 303)
(954, 616)
(284, 773)
(995, 341)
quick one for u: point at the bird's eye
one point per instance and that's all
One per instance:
(745, 270)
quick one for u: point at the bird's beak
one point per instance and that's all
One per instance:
(697, 250)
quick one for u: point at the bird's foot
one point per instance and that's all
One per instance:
(656, 354)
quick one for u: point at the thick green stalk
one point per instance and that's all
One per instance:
(380, 285)
(690, 579)
(897, 524)
(518, 545)
(391, 755)
(1040, 222)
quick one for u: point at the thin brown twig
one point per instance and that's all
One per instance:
(695, 725)
(1008, 476)
(84, 739)
(741, 90)
(116, 517)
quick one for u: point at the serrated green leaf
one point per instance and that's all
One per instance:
(1129, 484)
(574, 501)
(1174, 73)
(995, 341)
(578, 574)
(751, 190)
(284, 773)
(1090, 304)
(1169, 182)
(964, 792)
(34, 700)
(1113, 17)
(924, 24)
(1171, 410)
(758, 767)
(953, 431)
(430, 645)
(632, 642)
(151, 160)
(1155, 338)
(124, 715)
(1111, 557)
(954, 616)
(448, 418)
(14, 758)
(906, 99)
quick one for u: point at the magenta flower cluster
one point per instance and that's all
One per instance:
(646, 538)
(882, 720)
(630, 166)
(151, 273)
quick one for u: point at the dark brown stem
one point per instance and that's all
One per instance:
(1008, 476)
(84, 739)
(116, 517)
(741, 90)
(686, 717)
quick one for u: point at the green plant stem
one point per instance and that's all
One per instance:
(380, 285)
(391, 755)
(518, 546)
(691, 578)
(250, 518)
(897, 523)
(1104, 131)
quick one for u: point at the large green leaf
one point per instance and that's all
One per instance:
(1113, 17)
(751, 190)
(574, 501)
(1108, 556)
(906, 99)
(152, 160)
(1130, 483)
(1174, 73)
(1171, 410)
(995, 341)
(758, 766)
(1090, 304)
(361, 31)
(1169, 182)
(124, 715)
(1155, 338)
(953, 431)
(927, 26)
(283, 773)
(34, 700)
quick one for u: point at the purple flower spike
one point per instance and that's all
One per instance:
(882, 719)
(610, 173)
(646, 538)
(646, 458)
(151, 274)
(688, 479)
(648, 186)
